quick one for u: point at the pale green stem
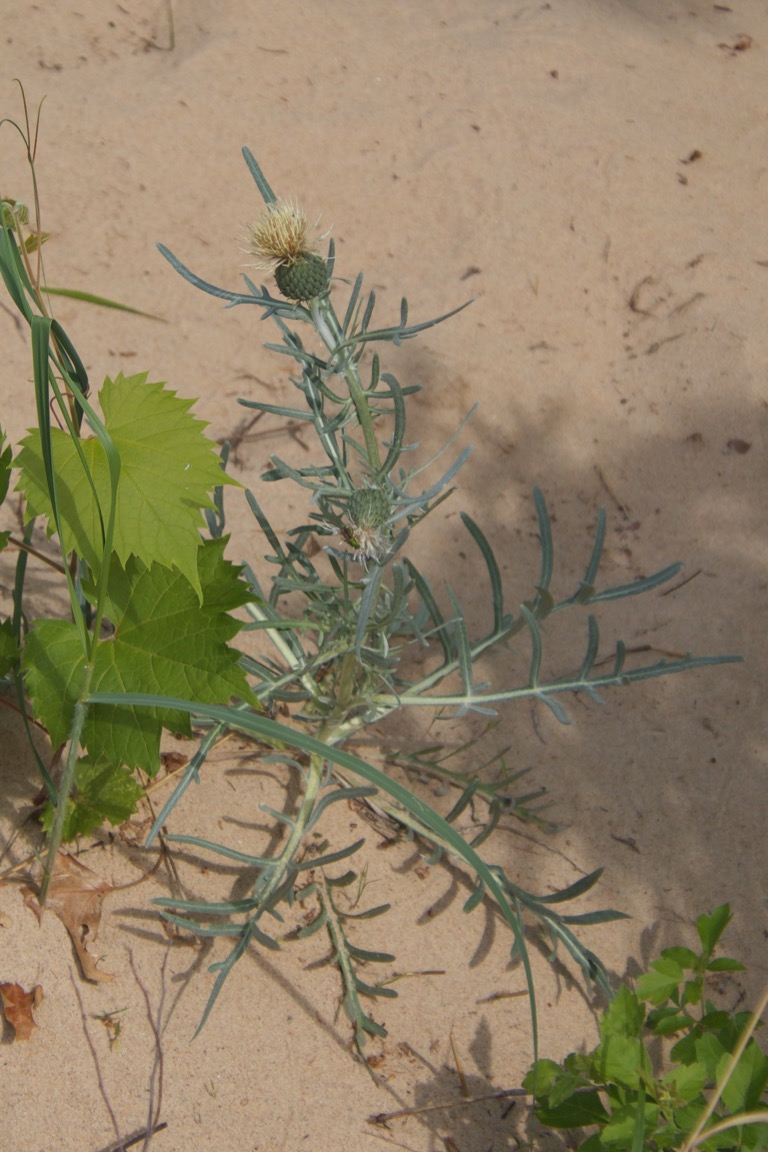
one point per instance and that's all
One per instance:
(65, 787)
(327, 327)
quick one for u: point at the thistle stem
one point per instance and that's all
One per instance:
(327, 327)
(65, 789)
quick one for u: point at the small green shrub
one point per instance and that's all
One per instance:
(617, 1089)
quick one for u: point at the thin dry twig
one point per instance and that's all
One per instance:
(504, 1094)
(153, 1125)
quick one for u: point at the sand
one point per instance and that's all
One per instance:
(593, 174)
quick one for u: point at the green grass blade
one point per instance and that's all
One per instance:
(101, 302)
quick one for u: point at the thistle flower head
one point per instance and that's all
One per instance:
(280, 235)
(281, 240)
(368, 535)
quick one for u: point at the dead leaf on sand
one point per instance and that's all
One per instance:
(17, 1007)
(76, 894)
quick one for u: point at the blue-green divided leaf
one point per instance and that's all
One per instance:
(163, 637)
(375, 990)
(604, 916)
(102, 792)
(369, 957)
(578, 888)
(314, 925)
(425, 815)
(168, 470)
(494, 574)
(362, 1022)
(267, 194)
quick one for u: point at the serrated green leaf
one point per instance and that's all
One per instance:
(101, 792)
(541, 1078)
(624, 1016)
(577, 1112)
(685, 957)
(709, 1052)
(711, 927)
(623, 1060)
(164, 639)
(725, 964)
(621, 1126)
(670, 1023)
(168, 470)
(658, 985)
(686, 1081)
(54, 666)
(747, 1081)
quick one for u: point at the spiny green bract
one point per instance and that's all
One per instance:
(369, 507)
(302, 278)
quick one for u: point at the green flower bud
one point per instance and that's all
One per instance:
(369, 508)
(303, 278)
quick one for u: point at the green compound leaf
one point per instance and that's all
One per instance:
(658, 985)
(747, 1081)
(164, 640)
(168, 470)
(623, 1017)
(580, 1111)
(102, 792)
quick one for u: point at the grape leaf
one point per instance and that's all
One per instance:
(164, 641)
(102, 792)
(8, 650)
(6, 454)
(168, 470)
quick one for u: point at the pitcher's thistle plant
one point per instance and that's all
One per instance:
(365, 634)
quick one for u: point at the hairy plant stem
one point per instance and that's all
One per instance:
(65, 786)
(328, 329)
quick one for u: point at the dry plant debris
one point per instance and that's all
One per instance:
(76, 895)
(18, 1006)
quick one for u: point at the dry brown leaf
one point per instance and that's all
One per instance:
(17, 1007)
(76, 894)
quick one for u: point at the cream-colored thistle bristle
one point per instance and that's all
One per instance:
(280, 235)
